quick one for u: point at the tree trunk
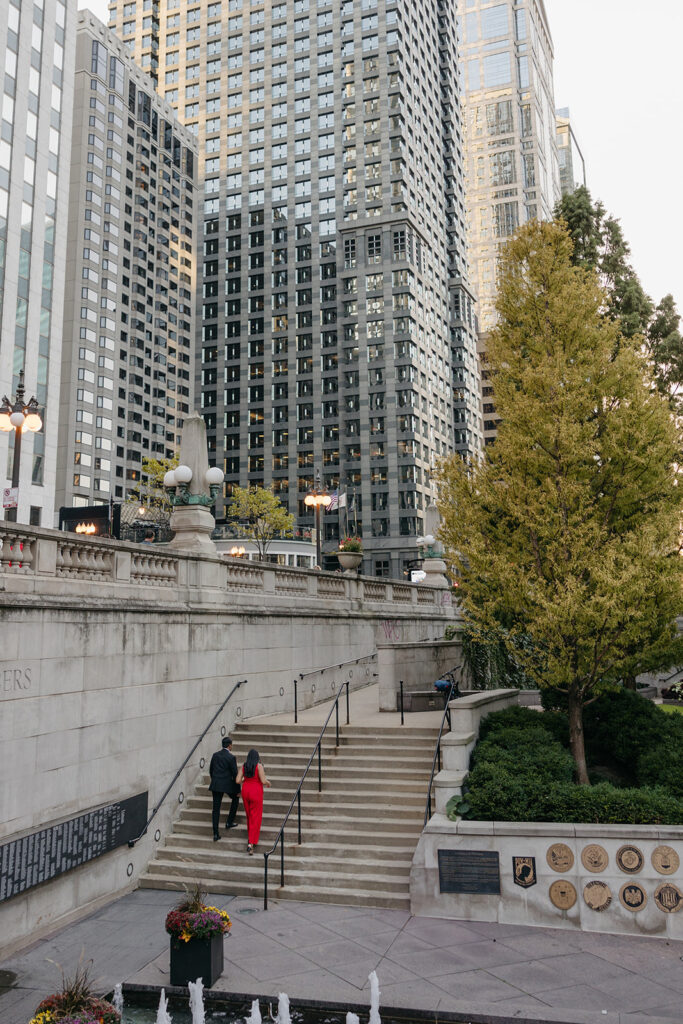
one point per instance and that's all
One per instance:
(576, 739)
(630, 683)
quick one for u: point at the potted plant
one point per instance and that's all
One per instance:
(350, 553)
(196, 932)
(75, 1003)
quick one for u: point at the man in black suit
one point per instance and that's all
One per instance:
(223, 772)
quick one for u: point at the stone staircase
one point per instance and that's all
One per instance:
(359, 833)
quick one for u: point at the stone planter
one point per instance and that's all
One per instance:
(349, 560)
(198, 958)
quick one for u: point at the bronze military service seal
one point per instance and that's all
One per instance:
(668, 897)
(560, 857)
(562, 894)
(597, 895)
(665, 860)
(524, 871)
(632, 896)
(594, 858)
(630, 859)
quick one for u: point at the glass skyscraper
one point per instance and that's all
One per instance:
(38, 41)
(336, 325)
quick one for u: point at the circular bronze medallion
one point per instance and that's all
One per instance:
(668, 897)
(665, 860)
(597, 895)
(594, 858)
(562, 894)
(632, 896)
(560, 857)
(630, 859)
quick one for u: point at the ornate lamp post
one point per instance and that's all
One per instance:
(19, 416)
(317, 498)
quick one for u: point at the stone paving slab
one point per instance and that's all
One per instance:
(481, 972)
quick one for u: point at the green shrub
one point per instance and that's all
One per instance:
(521, 769)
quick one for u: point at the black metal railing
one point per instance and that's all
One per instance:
(316, 671)
(132, 842)
(454, 691)
(296, 799)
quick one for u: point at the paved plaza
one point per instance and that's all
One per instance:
(324, 952)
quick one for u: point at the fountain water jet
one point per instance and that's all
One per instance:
(196, 990)
(117, 998)
(352, 1018)
(374, 998)
(283, 1016)
(255, 1015)
(163, 1016)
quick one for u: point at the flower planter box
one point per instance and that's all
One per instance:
(350, 560)
(198, 958)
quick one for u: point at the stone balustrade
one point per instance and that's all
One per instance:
(30, 557)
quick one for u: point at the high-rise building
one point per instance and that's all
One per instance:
(38, 40)
(128, 319)
(569, 155)
(511, 154)
(334, 303)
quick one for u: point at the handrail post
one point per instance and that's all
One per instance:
(438, 749)
(348, 720)
(296, 708)
(282, 858)
(298, 799)
(336, 710)
(402, 718)
(265, 881)
(320, 767)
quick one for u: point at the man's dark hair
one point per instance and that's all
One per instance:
(227, 741)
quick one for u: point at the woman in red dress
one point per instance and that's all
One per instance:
(252, 778)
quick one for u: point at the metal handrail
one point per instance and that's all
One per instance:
(455, 688)
(132, 842)
(315, 671)
(280, 838)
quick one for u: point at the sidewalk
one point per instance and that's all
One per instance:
(364, 705)
(485, 972)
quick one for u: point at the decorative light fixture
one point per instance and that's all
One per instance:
(19, 416)
(318, 498)
(87, 528)
(237, 552)
(177, 483)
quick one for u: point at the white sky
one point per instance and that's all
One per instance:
(618, 69)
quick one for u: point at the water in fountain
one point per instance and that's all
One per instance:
(196, 990)
(117, 998)
(163, 1016)
(352, 1018)
(283, 1016)
(374, 998)
(255, 1015)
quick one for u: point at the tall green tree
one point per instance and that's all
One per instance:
(262, 515)
(567, 532)
(665, 346)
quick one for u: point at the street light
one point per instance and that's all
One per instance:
(317, 498)
(18, 416)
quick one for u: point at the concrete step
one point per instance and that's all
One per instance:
(266, 730)
(397, 743)
(338, 837)
(391, 851)
(339, 820)
(353, 775)
(388, 801)
(350, 897)
(222, 856)
(241, 868)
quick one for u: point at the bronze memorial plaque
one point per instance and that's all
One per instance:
(594, 857)
(668, 897)
(524, 871)
(665, 860)
(597, 895)
(469, 871)
(630, 859)
(562, 894)
(632, 896)
(560, 857)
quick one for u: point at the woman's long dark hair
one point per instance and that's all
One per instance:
(251, 763)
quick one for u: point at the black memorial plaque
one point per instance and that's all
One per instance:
(469, 871)
(44, 855)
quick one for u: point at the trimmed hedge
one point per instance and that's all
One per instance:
(521, 768)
